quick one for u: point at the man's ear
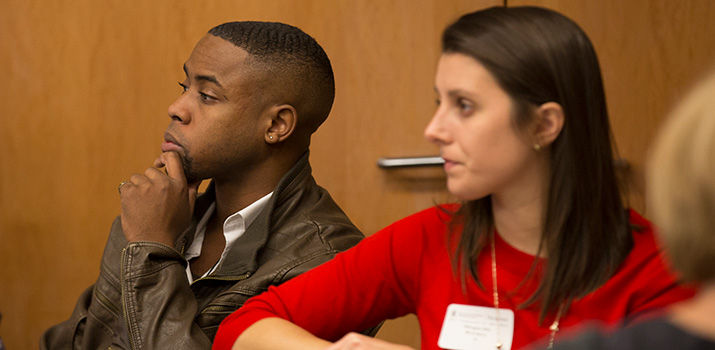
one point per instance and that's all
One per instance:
(548, 123)
(283, 122)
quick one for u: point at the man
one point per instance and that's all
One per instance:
(175, 265)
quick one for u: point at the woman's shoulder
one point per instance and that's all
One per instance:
(423, 226)
(644, 240)
(645, 258)
(440, 215)
(646, 272)
(637, 219)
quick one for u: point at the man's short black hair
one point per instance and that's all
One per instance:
(293, 56)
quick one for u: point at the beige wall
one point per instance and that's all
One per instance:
(85, 86)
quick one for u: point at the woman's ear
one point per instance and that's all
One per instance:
(548, 123)
(283, 122)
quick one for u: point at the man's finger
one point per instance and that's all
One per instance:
(153, 174)
(174, 167)
(193, 192)
(159, 162)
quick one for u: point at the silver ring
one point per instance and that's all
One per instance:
(119, 188)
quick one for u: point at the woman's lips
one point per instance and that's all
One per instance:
(448, 164)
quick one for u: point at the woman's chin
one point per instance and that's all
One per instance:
(463, 194)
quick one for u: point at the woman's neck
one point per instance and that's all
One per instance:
(520, 211)
(520, 225)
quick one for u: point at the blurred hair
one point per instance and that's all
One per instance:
(681, 183)
(537, 55)
(297, 66)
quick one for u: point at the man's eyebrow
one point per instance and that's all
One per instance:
(209, 78)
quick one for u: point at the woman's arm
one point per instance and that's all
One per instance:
(262, 335)
(376, 280)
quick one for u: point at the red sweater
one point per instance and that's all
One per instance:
(405, 268)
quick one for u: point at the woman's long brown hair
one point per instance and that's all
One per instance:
(539, 56)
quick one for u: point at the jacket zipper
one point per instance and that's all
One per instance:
(105, 301)
(130, 328)
(228, 279)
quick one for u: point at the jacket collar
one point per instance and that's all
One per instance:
(243, 255)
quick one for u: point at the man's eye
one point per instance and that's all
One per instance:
(183, 87)
(206, 98)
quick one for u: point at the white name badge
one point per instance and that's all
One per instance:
(468, 327)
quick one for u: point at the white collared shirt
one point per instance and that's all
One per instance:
(233, 228)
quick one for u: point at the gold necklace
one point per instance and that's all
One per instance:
(554, 326)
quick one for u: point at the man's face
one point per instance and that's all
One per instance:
(216, 123)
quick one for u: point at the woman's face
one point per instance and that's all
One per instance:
(484, 154)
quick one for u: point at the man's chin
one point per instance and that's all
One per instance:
(189, 172)
(190, 175)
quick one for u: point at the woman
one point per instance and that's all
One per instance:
(681, 193)
(541, 241)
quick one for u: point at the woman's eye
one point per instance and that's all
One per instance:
(464, 105)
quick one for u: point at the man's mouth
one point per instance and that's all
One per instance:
(170, 144)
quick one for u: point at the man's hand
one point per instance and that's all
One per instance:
(158, 206)
(355, 341)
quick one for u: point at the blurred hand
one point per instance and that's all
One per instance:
(158, 206)
(355, 341)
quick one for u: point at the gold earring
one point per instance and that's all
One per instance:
(537, 147)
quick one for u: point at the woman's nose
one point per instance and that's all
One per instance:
(435, 131)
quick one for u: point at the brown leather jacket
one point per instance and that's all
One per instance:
(142, 298)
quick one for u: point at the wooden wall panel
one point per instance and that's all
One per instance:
(651, 52)
(86, 85)
(85, 91)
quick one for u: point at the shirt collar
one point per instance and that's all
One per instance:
(233, 228)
